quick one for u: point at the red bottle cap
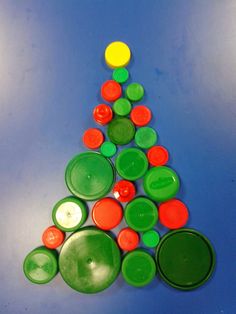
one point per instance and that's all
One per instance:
(53, 237)
(111, 91)
(93, 138)
(141, 115)
(128, 239)
(173, 214)
(158, 156)
(124, 191)
(107, 213)
(102, 114)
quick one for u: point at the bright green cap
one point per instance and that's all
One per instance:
(121, 131)
(131, 164)
(150, 238)
(120, 75)
(161, 183)
(134, 92)
(145, 137)
(108, 149)
(122, 107)
(141, 214)
(138, 268)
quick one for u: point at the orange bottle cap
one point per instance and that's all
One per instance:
(128, 239)
(141, 115)
(102, 114)
(158, 156)
(111, 91)
(93, 138)
(173, 214)
(53, 237)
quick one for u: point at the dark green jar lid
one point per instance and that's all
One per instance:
(185, 259)
(145, 137)
(121, 131)
(134, 92)
(40, 265)
(131, 164)
(122, 107)
(89, 260)
(89, 176)
(141, 214)
(161, 183)
(120, 75)
(138, 268)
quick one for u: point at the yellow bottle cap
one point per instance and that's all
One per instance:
(117, 55)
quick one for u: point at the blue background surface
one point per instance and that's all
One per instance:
(51, 69)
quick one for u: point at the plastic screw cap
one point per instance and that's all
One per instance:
(161, 183)
(53, 237)
(69, 214)
(131, 164)
(185, 259)
(40, 266)
(124, 191)
(89, 176)
(128, 239)
(173, 214)
(117, 54)
(141, 214)
(93, 138)
(108, 149)
(138, 268)
(158, 156)
(141, 115)
(102, 114)
(122, 107)
(120, 75)
(151, 238)
(107, 213)
(121, 131)
(134, 92)
(145, 137)
(111, 90)
(89, 260)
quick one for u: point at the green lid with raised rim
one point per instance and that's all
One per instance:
(122, 107)
(121, 131)
(120, 75)
(134, 92)
(108, 149)
(150, 238)
(145, 137)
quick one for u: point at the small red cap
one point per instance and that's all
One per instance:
(141, 115)
(111, 91)
(102, 114)
(107, 213)
(93, 138)
(128, 239)
(158, 156)
(53, 237)
(173, 214)
(124, 191)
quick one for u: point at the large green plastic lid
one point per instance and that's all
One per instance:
(89, 260)
(161, 183)
(121, 131)
(185, 259)
(131, 164)
(138, 268)
(89, 176)
(40, 265)
(141, 214)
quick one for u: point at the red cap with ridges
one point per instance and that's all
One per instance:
(124, 191)
(102, 114)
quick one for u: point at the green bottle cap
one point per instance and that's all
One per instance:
(185, 259)
(89, 260)
(122, 107)
(161, 183)
(150, 238)
(145, 137)
(121, 131)
(89, 176)
(138, 268)
(131, 163)
(69, 214)
(120, 75)
(40, 266)
(141, 214)
(108, 149)
(134, 92)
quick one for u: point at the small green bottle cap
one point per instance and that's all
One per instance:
(145, 137)
(40, 265)
(120, 75)
(122, 107)
(141, 214)
(138, 268)
(150, 238)
(69, 214)
(185, 259)
(89, 260)
(108, 149)
(131, 164)
(121, 131)
(89, 176)
(134, 92)
(161, 183)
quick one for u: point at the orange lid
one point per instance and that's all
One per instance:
(173, 214)
(53, 237)
(128, 239)
(107, 213)
(111, 91)
(124, 191)
(141, 115)
(158, 156)
(102, 114)
(93, 138)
